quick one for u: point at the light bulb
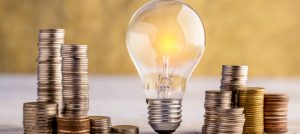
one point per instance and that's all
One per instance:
(166, 41)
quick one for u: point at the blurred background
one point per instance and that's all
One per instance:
(261, 34)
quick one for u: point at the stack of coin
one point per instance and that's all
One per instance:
(214, 100)
(275, 113)
(66, 125)
(234, 77)
(252, 99)
(39, 117)
(100, 124)
(49, 66)
(230, 121)
(125, 129)
(75, 81)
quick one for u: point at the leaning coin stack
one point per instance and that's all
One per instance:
(49, 66)
(252, 99)
(75, 81)
(275, 113)
(100, 124)
(234, 77)
(125, 129)
(214, 100)
(39, 117)
(230, 121)
(80, 125)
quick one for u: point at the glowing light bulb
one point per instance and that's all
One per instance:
(166, 41)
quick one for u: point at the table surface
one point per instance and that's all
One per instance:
(122, 98)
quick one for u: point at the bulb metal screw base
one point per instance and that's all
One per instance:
(164, 114)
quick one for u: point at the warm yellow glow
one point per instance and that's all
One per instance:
(175, 47)
(167, 45)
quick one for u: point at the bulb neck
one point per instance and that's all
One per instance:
(164, 114)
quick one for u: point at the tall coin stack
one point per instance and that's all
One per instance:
(214, 100)
(100, 124)
(252, 99)
(75, 89)
(49, 66)
(275, 113)
(234, 77)
(230, 121)
(75, 81)
(39, 117)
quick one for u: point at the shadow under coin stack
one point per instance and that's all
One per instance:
(73, 117)
(125, 129)
(100, 124)
(275, 113)
(39, 117)
(214, 100)
(49, 66)
(252, 99)
(230, 121)
(234, 77)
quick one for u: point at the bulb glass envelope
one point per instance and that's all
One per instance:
(166, 41)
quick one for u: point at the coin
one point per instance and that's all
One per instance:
(275, 112)
(234, 77)
(252, 99)
(51, 36)
(100, 124)
(49, 65)
(125, 129)
(75, 80)
(39, 117)
(230, 120)
(73, 125)
(214, 100)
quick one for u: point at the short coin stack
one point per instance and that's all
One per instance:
(73, 125)
(75, 81)
(275, 113)
(39, 117)
(252, 99)
(100, 124)
(214, 100)
(49, 66)
(230, 121)
(75, 90)
(125, 129)
(234, 77)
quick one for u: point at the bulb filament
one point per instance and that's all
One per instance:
(165, 80)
